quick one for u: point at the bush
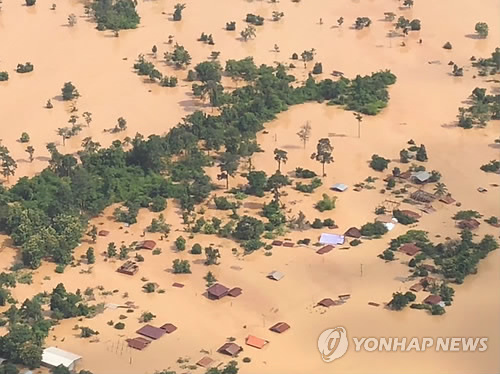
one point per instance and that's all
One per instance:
(355, 242)
(304, 173)
(60, 269)
(326, 203)
(246, 359)
(231, 26)
(317, 224)
(482, 29)
(328, 222)
(308, 188)
(4, 76)
(491, 167)
(318, 68)
(87, 332)
(149, 287)
(181, 266)
(119, 326)
(254, 20)
(437, 310)
(447, 45)
(373, 229)
(221, 203)
(415, 25)
(180, 243)
(403, 218)
(30, 2)
(466, 214)
(295, 56)
(388, 255)
(69, 91)
(147, 316)
(196, 249)
(252, 245)
(158, 204)
(379, 163)
(26, 68)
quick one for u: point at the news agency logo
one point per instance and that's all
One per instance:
(333, 344)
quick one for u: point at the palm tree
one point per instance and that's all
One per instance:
(359, 118)
(440, 189)
(64, 132)
(280, 156)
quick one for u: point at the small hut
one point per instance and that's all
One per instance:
(432, 300)
(138, 343)
(468, 224)
(410, 213)
(230, 349)
(447, 199)
(280, 327)
(217, 291)
(327, 303)
(422, 196)
(235, 292)
(275, 275)
(410, 249)
(339, 187)
(128, 268)
(151, 332)
(353, 232)
(421, 177)
(417, 287)
(256, 342)
(147, 244)
(205, 362)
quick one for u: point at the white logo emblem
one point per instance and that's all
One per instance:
(333, 343)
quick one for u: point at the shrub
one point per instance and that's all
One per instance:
(254, 20)
(295, 56)
(317, 224)
(447, 45)
(252, 245)
(147, 316)
(180, 243)
(158, 204)
(60, 268)
(491, 167)
(326, 203)
(4, 76)
(482, 29)
(318, 68)
(119, 326)
(388, 255)
(373, 229)
(466, 214)
(87, 332)
(308, 188)
(415, 25)
(403, 218)
(221, 203)
(26, 68)
(196, 249)
(181, 266)
(231, 26)
(328, 222)
(304, 173)
(156, 251)
(149, 287)
(492, 220)
(30, 2)
(379, 163)
(69, 91)
(246, 359)
(25, 138)
(437, 310)
(355, 242)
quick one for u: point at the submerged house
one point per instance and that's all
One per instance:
(332, 239)
(53, 357)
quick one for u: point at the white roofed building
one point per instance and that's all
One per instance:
(53, 357)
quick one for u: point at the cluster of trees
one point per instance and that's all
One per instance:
(181, 266)
(308, 188)
(401, 300)
(482, 109)
(326, 203)
(46, 214)
(379, 163)
(231, 26)
(362, 22)
(407, 25)
(69, 91)
(375, 229)
(180, 57)
(206, 38)
(413, 152)
(489, 65)
(115, 14)
(25, 68)
(491, 167)
(403, 218)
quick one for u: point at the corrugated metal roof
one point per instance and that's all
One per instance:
(332, 239)
(339, 187)
(54, 357)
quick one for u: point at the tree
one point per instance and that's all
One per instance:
(178, 8)
(248, 33)
(482, 29)
(111, 251)
(421, 154)
(115, 14)
(181, 266)
(228, 165)
(69, 91)
(30, 151)
(305, 133)
(359, 118)
(210, 278)
(248, 228)
(154, 50)
(93, 233)
(7, 163)
(209, 71)
(379, 163)
(307, 56)
(87, 116)
(25, 138)
(408, 3)
(280, 156)
(30, 2)
(340, 21)
(180, 57)
(257, 181)
(440, 189)
(90, 256)
(72, 20)
(323, 153)
(276, 182)
(180, 243)
(212, 256)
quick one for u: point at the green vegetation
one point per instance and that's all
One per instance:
(308, 188)
(323, 153)
(362, 22)
(181, 266)
(210, 278)
(466, 214)
(248, 33)
(373, 229)
(403, 218)
(379, 163)
(119, 326)
(304, 173)
(146, 317)
(491, 167)
(159, 225)
(180, 243)
(4, 76)
(447, 45)
(30, 2)
(196, 249)
(254, 20)
(221, 203)
(178, 8)
(483, 108)
(180, 57)
(69, 92)
(326, 203)
(115, 14)
(25, 68)
(482, 29)
(87, 332)
(489, 65)
(231, 26)
(400, 301)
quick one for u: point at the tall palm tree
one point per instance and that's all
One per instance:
(440, 189)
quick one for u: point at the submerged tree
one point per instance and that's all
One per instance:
(180, 57)
(7, 163)
(305, 133)
(248, 33)
(482, 29)
(280, 156)
(69, 91)
(30, 151)
(323, 153)
(178, 8)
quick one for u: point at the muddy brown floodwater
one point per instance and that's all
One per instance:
(423, 107)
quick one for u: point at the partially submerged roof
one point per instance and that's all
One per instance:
(54, 357)
(275, 275)
(332, 239)
(138, 343)
(280, 327)
(341, 187)
(205, 362)
(277, 243)
(151, 332)
(218, 290)
(147, 244)
(327, 302)
(103, 233)
(353, 232)
(447, 199)
(168, 328)
(410, 213)
(235, 292)
(230, 349)
(417, 287)
(422, 176)
(432, 299)
(256, 342)
(325, 249)
(410, 249)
